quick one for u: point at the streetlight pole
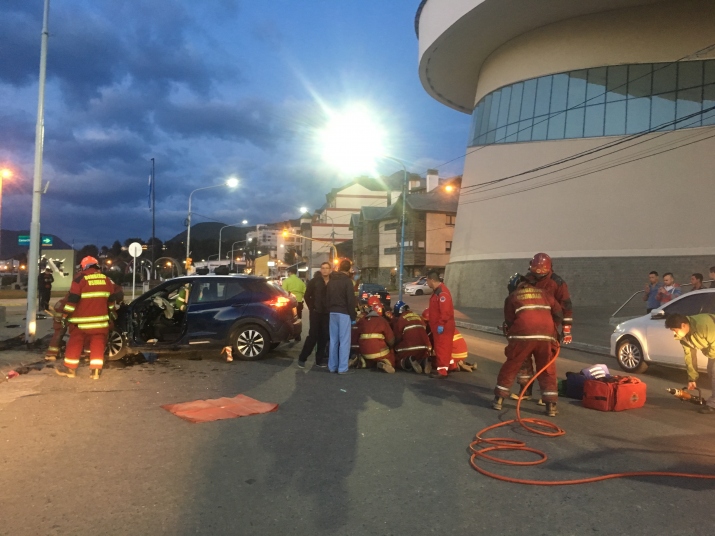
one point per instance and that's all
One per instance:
(402, 233)
(231, 183)
(221, 231)
(33, 257)
(236, 242)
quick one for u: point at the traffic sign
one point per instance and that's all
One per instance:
(135, 249)
(24, 240)
(47, 240)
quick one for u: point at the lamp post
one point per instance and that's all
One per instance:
(402, 233)
(231, 183)
(236, 242)
(243, 222)
(335, 250)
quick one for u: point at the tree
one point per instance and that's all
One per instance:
(116, 249)
(89, 250)
(291, 256)
(130, 240)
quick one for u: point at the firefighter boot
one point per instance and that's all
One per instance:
(64, 371)
(415, 364)
(551, 409)
(466, 367)
(428, 366)
(527, 393)
(497, 403)
(385, 367)
(95, 374)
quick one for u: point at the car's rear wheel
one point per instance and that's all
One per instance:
(251, 342)
(116, 346)
(418, 292)
(630, 356)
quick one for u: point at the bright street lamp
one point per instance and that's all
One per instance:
(355, 139)
(303, 210)
(231, 183)
(244, 222)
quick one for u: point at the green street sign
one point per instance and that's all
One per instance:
(23, 240)
(46, 240)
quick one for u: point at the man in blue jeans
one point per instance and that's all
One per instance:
(341, 306)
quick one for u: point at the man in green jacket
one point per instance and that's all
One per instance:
(295, 286)
(695, 333)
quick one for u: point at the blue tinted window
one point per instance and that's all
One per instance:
(640, 84)
(690, 94)
(596, 86)
(617, 83)
(512, 128)
(503, 113)
(559, 96)
(709, 93)
(595, 119)
(492, 120)
(615, 118)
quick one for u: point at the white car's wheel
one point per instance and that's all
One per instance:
(419, 292)
(630, 356)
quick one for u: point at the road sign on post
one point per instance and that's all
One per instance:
(47, 241)
(134, 249)
(23, 240)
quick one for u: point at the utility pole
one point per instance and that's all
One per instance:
(153, 221)
(34, 253)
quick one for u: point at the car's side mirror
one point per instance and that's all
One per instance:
(657, 315)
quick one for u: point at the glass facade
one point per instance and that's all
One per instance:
(603, 101)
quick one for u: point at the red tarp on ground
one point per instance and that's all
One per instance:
(219, 408)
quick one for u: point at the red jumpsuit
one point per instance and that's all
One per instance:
(459, 350)
(90, 300)
(376, 339)
(411, 339)
(531, 317)
(441, 313)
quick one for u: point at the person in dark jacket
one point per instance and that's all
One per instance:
(341, 306)
(319, 331)
(44, 285)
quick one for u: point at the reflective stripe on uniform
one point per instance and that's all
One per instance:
(532, 307)
(69, 308)
(381, 353)
(98, 325)
(372, 336)
(550, 393)
(86, 295)
(412, 348)
(457, 336)
(532, 337)
(413, 326)
(53, 348)
(69, 361)
(502, 388)
(95, 362)
(568, 319)
(84, 319)
(460, 356)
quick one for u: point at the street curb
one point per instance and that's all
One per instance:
(581, 346)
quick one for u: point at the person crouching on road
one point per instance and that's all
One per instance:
(531, 319)
(59, 329)
(441, 321)
(90, 301)
(376, 340)
(460, 352)
(412, 344)
(695, 333)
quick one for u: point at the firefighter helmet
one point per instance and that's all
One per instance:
(425, 315)
(540, 264)
(400, 307)
(377, 307)
(514, 282)
(88, 261)
(374, 300)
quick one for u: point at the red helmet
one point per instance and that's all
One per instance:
(540, 264)
(377, 307)
(425, 315)
(88, 261)
(374, 300)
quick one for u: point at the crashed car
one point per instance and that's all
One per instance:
(200, 312)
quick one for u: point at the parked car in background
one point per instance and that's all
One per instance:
(637, 342)
(365, 290)
(247, 313)
(418, 288)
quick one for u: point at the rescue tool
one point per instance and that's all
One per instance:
(685, 396)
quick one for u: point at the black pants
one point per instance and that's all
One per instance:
(299, 310)
(45, 296)
(318, 335)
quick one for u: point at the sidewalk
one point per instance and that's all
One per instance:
(14, 353)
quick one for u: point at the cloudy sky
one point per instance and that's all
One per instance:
(209, 89)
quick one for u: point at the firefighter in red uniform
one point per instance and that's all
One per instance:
(412, 345)
(541, 276)
(90, 301)
(531, 319)
(441, 321)
(376, 340)
(460, 352)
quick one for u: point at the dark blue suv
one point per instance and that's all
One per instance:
(206, 311)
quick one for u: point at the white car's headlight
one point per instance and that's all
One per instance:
(619, 329)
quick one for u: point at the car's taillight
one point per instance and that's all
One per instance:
(387, 297)
(278, 301)
(364, 295)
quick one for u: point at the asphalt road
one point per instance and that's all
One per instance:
(367, 453)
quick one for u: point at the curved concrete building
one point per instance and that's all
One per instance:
(592, 139)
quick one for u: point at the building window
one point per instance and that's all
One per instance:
(420, 245)
(448, 246)
(603, 101)
(451, 220)
(390, 226)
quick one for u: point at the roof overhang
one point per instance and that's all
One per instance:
(457, 36)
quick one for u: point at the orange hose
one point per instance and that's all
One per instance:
(549, 429)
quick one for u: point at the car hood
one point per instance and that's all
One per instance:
(625, 325)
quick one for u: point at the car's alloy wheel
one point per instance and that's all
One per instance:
(419, 293)
(630, 356)
(252, 342)
(116, 346)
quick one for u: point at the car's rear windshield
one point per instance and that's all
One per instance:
(371, 287)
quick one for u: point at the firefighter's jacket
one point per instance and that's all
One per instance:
(441, 309)
(410, 334)
(558, 288)
(376, 337)
(459, 346)
(531, 313)
(90, 300)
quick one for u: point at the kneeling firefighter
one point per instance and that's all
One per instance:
(412, 345)
(460, 352)
(376, 340)
(531, 318)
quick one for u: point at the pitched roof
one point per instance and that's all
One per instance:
(392, 183)
(434, 201)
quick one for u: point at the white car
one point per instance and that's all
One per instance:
(417, 288)
(637, 342)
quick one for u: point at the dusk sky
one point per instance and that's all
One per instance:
(209, 89)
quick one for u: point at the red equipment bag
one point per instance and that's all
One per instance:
(616, 393)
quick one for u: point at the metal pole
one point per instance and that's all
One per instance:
(188, 233)
(402, 234)
(34, 254)
(134, 278)
(153, 218)
(0, 216)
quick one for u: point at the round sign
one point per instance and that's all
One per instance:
(135, 249)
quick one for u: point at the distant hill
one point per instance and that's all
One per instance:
(209, 231)
(9, 247)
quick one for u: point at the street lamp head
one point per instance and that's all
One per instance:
(244, 222)
(449, 188)
(352, 139)
(5, 173)
(232, 182)
(303, 210)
